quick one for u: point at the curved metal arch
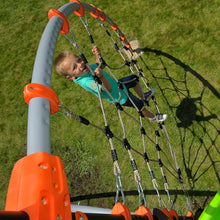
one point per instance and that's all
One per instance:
(38, 134)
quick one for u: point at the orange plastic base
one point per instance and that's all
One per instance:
(80, 216)
(166, 212)
(144, 211)
(120, 209)
(190, 214)
(174, 214)
(39, 187)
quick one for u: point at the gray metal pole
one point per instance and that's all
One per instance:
(38, 136)
(90, 209)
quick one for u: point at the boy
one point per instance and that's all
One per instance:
(73, 67)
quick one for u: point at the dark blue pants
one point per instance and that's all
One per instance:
(130, 82)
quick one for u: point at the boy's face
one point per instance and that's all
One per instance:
(74, 66)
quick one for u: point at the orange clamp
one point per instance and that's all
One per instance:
(65, 27)
(120, 209)
(102, 17)
(96, 13)
(128, 46)
(114, 27)
(166, 212)
(190, 214)
(122, 37)
(144, 211)
(79, 12)
(33, 90)
(80, 215)
(174, 214)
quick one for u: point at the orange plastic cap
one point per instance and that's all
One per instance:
(120, 209)
(79, 12)
(102, 17)
(144, 211)
(114, 27)
(80, 215)
(166, 212)
(33, 90)
(190, 214)
(96, 13)
(128, 46)
(174, 214)
(65, 27)
(122, 37)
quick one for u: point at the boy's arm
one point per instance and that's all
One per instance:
(105, 83)
(98, 70)
(97, 53)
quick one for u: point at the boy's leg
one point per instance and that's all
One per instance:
(138, 89)
(154, 117)
(159, 117)
(148, 114)
(145, 112)
(143, 96)
(148, 95)
(132, 81)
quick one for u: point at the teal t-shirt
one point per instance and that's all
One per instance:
(87, 82)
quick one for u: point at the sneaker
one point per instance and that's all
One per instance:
(148, 95)
(159, 117)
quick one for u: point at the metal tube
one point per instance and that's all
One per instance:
(156, 216)
(90, 209)
(13, 215)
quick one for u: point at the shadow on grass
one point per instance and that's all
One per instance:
(197, 131)
(200, 152)
(185, 67)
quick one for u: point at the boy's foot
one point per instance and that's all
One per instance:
(148, 95)
(159, 117)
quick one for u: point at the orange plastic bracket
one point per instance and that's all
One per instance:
(166, 212)
(128, 46)
(102, 17)
(174, 214)
(65, 27)
(80, 215)
(79, 12)
(144, 211)
(33, 90)
(114, 27)
(96, 13)
(122, 37)
(38, 186)
(190, 214)
(120, 209)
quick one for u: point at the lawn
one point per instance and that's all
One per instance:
(180, 43)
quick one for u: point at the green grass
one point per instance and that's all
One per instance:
(181, 60)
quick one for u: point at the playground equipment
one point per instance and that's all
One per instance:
(212, 211)
(38, 187)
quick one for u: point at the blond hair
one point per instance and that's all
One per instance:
(59, 62)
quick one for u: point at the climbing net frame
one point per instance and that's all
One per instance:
(40, 107)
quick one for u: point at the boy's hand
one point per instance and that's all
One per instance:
(96, 51)
(105, 83)
(98, 72)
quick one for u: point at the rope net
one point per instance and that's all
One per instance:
(153, 135)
